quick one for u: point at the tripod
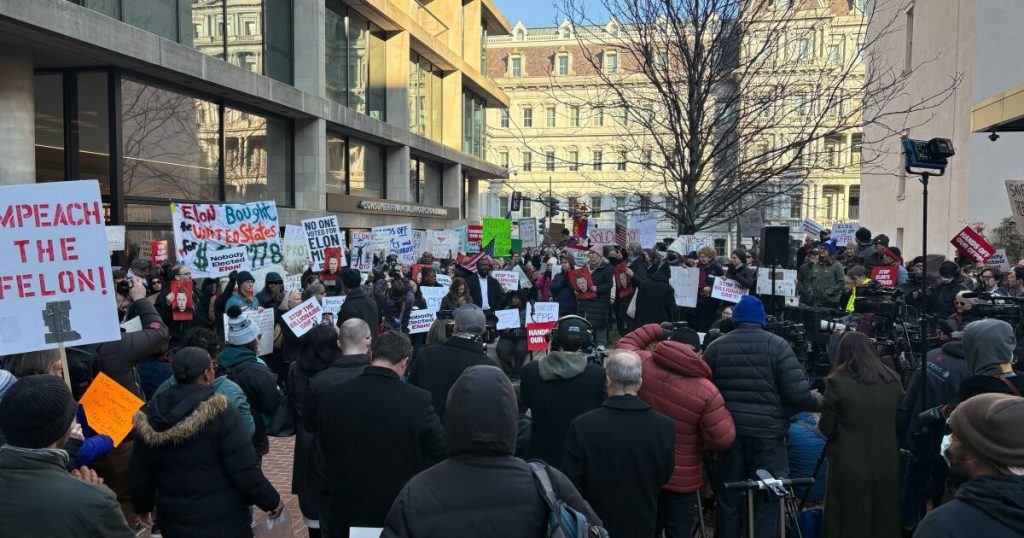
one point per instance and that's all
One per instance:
(781, 488)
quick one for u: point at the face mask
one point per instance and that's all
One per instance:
(944, 448)
(947, 280)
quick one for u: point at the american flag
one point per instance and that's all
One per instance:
(487, 252)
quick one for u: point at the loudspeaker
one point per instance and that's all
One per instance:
(775, 246)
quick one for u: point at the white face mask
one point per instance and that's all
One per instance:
(944, 447)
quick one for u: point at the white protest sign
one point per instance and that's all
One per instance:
(322, 232)
(524, 281)
(785, 282)
(812, 228)
(420, 321)
(443, 243)
(363, 250)
(222, 262)
(200, 229)
(528, 232)
(507, 319)
(580, 256)
(1015, 190)
(685, 244)
(999, 260)
(264, 322)
(727, 290)
(433, 295)
(292, 283)
(508, 279)
(55, 278)
(419, 240)
(646, 226)
(296, 249)
(397, 239)
(115, 238)
(685, 283)
(538, 312)
(444, 280)
(133, 325)
(304, 317)
(845, 232)
(333, 304)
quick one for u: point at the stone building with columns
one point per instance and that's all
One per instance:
(324, 106)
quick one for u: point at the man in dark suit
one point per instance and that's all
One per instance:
(485, 289)
(357, 303)
(376, 433)
(626, 435)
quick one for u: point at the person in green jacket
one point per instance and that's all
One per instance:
(821, 279)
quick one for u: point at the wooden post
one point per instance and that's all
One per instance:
(64, 363)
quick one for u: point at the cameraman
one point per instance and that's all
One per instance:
(395, 299)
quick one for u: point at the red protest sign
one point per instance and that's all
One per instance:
(622, 281)
(182, 308)
(582, 282)
(474, 233)
(158, 251)
(973, 245)
(536, 335)
(885, 275)
(332, 264)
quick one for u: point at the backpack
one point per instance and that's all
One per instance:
(564, 521)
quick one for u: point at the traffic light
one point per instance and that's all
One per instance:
(517, 200)
(552, 207)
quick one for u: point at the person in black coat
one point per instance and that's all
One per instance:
(243, 366)
(351, 356)
(626, 435)
(376, 433)
(436, 367)
(562, 291)
(559, 387)
(740, 271)
(596, 310)
(495, 299)
(655, 300)
(481, 490)
(193, 460)
(358, 304)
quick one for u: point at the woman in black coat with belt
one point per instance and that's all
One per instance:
(655, 300)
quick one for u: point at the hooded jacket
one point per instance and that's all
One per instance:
(230, 390)
(360, 305)
(989, 506)
(259, 385)
(435, 368)
(677, 383)
(481, 490)
(947, 369)
(193, 460)
(989, 344)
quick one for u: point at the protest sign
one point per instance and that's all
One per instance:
(751, 222)
(304, 317)
(813, 228)
(55, 279)
(885, 275)
(539, 312)
(582, 282)
(785, 282)
(433, 296)
(507, 319)
(332, 264)
(333, 304)
(536, 335)
(421, 320)
(474, 233)
(685, 282)
(623, 283)
(322, 233)
(555, 233)
(158, 252)
(600, 238)
(845, 232)
(621, 231)
(524, 281)
(264, 321)
(182, 308)
(397, 239)
(203, 228)
(292, 283)
(362, 251)
(222, 262)
(260, 275)
(999, 261)
(444, 280)
(516, 246)
(443, 243)
(973, 245)
(133, 325)
(580, 255)
(500, 231)
(115, 238)
(685, 244)
(296, 249)
(508, 279)
(645, 224)
(1015, 190)
(727, 290)
(528, 233)
(419, 240)
(109, 407)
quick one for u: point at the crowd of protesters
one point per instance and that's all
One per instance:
(434, 435)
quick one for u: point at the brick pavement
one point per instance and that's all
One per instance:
(277, 466)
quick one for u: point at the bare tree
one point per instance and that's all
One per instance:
(729, 104)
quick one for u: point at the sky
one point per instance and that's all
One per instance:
(539, 12)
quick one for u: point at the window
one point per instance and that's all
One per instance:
(503, 159)
(366, 163)
(527, 161)
(574, 116)
(425, 181)
(516, 66)
(719, 247)
(354, 62)
(599, 115)
(424, 97)
(661, 60)
(620, 203)
(574, 160)
(474, 123)
(549, 161)
(550, 114)
(909, 53)
(520, 35)
(49, 113)
(526, 209)
(833, 55)
(563, 65)
(648, 159)
(337, 164)
(598, 157)
(769, 51)
(860, 51)
(250, 28)
(621, 165)
(503, 204)
(527, 117)
(197, 31)
(800, 105)
(802, 49)
(611, 63)
(854, 201)
(595, 206)
(856, 142)
(566, 33)
(645, 202)
(796, 206)
(504, 118)
(621, 116)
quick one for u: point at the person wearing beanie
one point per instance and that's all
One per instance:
(193, 460)
(239, 360)
(273, 289)
(821, 282)
(245, 293)
(40, 497)
(985, 447)
(989, 345)
(942, 294)
(358, 304)
(763, 383)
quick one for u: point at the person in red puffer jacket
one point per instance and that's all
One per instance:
(677, 383)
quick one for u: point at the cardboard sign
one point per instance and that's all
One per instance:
(728, 290)
(508, 279)
(813, 228)
(433, 295)
(323, 233)
(296, 249)
(222, 262)
(265, 323)
(292, 283)
(421, 320)
(443, 243)
(363, 250)
(885, 275)
(500, 231)
(785, 282)
(332, 264)
(528, 233)
(623, 283)
(158, 251)
(304, 317)
(580, 255)
(397, 239)
(541, 312)
(200, 229)
(524, 281)
(536, 335)
(1015, 190)
(115, 238)
(55, 279)
(507, 319)
(582, 281)
(181, 300)
(109, 407)
(444, 280)
(685, 282)
(685, 244)
(973, 245)
(645, 224)
(999, 261)
(332, 305)
(845, 232)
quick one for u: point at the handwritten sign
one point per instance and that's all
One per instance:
(845, 232)
(158, 251)
(507, 319)
(885, 275)
(580, 255)
(999, 260)
(728, 290)
(785, 282)
(528, 233)
(813, 228)
(333, 304)
(222, 262)
(973, 245)
(443, 243)
(444, 280)
(362, 251)
(321, 234)
(685, 244)
(53, 248)
(1015, 190)
(684, 282)
(200, 229)
(264, 322)
(500, 231)
(292, 283)
(536, 335)
(115, 238)
(508, 279)
(304, 317)
(109, 407)
(540, 312)
(645, 224)
(420, 321)
(433, 296)
(398, 240)
(296, 249)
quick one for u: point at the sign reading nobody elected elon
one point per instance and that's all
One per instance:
(55, 279)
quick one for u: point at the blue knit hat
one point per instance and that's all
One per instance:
(748, 310)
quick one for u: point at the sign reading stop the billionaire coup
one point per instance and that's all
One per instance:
(200, 229)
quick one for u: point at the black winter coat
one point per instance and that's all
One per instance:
(639, 268)
(626, 435)
(305, 469)
(436, 367)
(947, 369)
(988, 506)
(941, 296)
(344, 368)
(563, 294)
(596, 310)
(743, 275)
(761, 380)
(656, 301)
(376, 433)
(495, 297)
(193, 461)
(259, 385)
(119, 357)
(360, 305)
(481, 490)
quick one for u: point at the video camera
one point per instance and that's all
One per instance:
(874, 299)
(1008, 309)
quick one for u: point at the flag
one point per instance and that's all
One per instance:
(470, 261)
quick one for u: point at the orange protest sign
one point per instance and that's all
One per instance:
(109, 407)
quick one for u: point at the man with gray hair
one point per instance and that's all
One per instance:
(627, 436)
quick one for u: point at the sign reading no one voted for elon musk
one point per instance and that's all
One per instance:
(55, 278)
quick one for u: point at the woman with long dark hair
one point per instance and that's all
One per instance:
(458, 295)
(859, 417)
